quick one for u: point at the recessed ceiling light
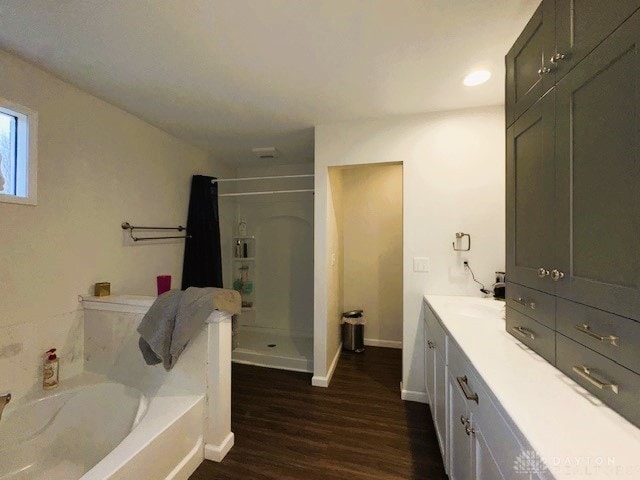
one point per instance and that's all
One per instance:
(477, 78)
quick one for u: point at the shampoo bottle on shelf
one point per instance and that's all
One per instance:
(242, 228)
(238, 253)
(50, 370)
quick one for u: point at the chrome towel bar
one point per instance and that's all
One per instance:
(128, 226)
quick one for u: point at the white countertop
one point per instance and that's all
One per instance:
(577, 435)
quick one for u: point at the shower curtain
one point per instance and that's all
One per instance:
(202, 265)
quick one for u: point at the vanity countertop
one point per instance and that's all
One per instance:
(572, 430)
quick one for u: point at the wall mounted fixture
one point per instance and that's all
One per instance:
(128, 226)
(460, 236)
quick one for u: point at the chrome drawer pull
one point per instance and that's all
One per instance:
(525, 303)
(586, 329)
(521, 301)
(585, 372)
(523, 332)
(462, 381)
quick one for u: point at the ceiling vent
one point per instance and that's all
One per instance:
(266, 152)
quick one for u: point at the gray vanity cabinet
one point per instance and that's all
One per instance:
(598, 176)
(526, 60)
(581, 25)
(531, 170)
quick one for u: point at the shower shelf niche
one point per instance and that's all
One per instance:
(244, 271)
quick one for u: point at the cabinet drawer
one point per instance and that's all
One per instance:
(533, 334)
(464, 378)
(537, 305)
(436, 330)
(614, 337)
(615, 385)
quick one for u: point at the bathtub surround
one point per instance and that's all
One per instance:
(192, 413)
(453, 181)
(97, 166)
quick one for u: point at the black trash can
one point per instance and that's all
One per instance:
(353, 331)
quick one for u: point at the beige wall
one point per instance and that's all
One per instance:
(97, 166)
(335, 264)
(372, 232)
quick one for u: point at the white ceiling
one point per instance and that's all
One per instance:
(230, 75)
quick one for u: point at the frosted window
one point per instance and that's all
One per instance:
(18, 153)
(8, 124)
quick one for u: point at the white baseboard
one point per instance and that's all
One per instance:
(412, 396)
(189, 463)
(318, 381)
(217, 452)
(374, 342)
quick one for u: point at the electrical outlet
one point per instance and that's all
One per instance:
(420, 264)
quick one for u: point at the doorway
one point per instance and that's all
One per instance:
(364, 260)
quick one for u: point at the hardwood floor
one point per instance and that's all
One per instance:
(358, 428)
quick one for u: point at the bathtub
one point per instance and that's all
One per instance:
(121, 418)
(60, 436)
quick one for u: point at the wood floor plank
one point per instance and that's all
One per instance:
(358, 428)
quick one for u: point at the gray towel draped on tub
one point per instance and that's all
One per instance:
(176, 317)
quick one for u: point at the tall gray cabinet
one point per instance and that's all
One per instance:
(573, 194)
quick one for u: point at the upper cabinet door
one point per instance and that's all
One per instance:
(531, 235)
(581, 25)
(528, 77)
(598, 176)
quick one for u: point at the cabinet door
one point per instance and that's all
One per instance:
(526, 82)
(531, 236)
(460, 441)
(598, 177)
(581, 25)
(485, 465)
(440, 400)
(429, 368)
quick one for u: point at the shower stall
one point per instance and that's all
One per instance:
(266, 233)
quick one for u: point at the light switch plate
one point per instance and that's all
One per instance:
(420, 264)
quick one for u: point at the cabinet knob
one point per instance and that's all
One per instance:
(543, 272)
(544, 71)
(470, 431)
(557, 57)
(464, 420)
(556, 275)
